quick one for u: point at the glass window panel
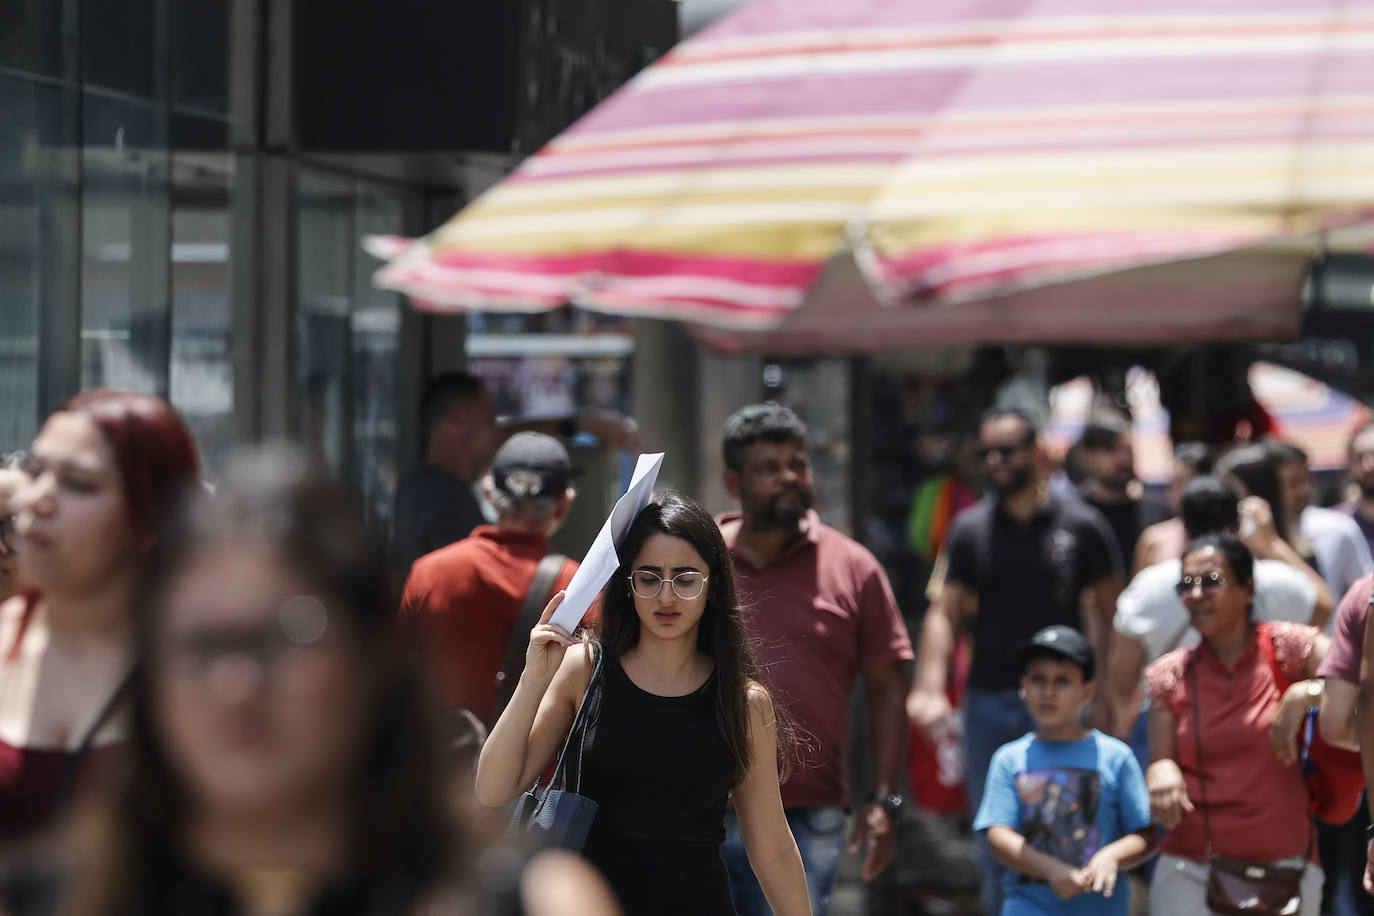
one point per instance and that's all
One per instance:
(376, 327)
(119, 45)
(200, 55)
(125, 310)
(327, 243)
(202, 371)
(31, 38)
(37, 199)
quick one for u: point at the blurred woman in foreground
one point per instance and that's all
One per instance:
(283, 758)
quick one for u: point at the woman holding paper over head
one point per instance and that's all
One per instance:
(684, 722)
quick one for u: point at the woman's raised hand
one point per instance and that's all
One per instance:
(1169, 802)
(547, 644)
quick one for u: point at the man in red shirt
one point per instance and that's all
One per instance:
(467, 596)
(823, 617)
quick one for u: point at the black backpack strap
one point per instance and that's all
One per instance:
(535, 600)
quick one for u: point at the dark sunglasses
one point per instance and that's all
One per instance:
(1210, 584)
(1002, 451)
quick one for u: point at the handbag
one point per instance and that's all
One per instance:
(1335, 777)
(559, 816)
(1237, 885)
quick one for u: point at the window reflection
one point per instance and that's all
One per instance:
(37, 200)
(202, 372)
(125, 243)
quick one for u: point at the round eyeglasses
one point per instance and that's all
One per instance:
(686, 585)
(1210, 584)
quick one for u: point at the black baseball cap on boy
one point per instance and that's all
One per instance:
(1063, 641)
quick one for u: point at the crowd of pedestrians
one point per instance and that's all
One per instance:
(221, 701)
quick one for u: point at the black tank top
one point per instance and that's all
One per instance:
(659, 770)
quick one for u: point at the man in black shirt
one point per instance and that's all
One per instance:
(1018, 561)
(1109, 463)
(435, 501)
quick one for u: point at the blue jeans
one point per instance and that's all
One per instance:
(991, 719)
(819, 833)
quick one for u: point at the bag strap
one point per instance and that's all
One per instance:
(536, 597)
(73, 763)
(1197, 737)
(591, 704)
(1266, 647)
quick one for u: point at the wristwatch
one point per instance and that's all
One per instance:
(1314, 692)
(892, 804)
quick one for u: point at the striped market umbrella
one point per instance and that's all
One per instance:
(1308, 413)
(876, 158)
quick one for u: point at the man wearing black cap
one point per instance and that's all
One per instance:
(1065, 808)
(468, 597)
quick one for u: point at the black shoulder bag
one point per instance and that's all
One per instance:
(559, 816)
(1235, 885)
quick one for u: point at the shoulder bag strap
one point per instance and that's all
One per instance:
(1197, 737)
(73, 763)
(535, 599)
(577, 733)
(1271, 657)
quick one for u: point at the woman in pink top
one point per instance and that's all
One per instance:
(1247, 791)
(102, 473)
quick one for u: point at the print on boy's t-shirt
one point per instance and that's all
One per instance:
(1059, 811)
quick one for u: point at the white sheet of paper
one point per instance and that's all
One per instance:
(601, 560)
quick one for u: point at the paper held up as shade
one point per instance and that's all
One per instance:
(601, 560)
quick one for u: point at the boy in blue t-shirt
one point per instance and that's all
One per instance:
(1065, 808)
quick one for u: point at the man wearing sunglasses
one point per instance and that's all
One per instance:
(1020, 560)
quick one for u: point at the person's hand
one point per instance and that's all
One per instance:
(1369, 868)
(1066, 882)
(1256, 528)
(1283, 732)
(1169, 802)
(1099, 874)
(929, 711)
(874, 827)
(548, 643)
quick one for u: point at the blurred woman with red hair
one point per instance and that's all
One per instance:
(105, 470)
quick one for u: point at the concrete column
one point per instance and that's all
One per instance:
(724, 384)
(665, 401)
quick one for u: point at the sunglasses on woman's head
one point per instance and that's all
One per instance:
(1210, 584)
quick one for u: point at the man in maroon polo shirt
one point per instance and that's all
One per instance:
(823, 615)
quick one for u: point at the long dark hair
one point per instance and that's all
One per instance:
(401, 842)
(721, 635)
(1256, 468)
